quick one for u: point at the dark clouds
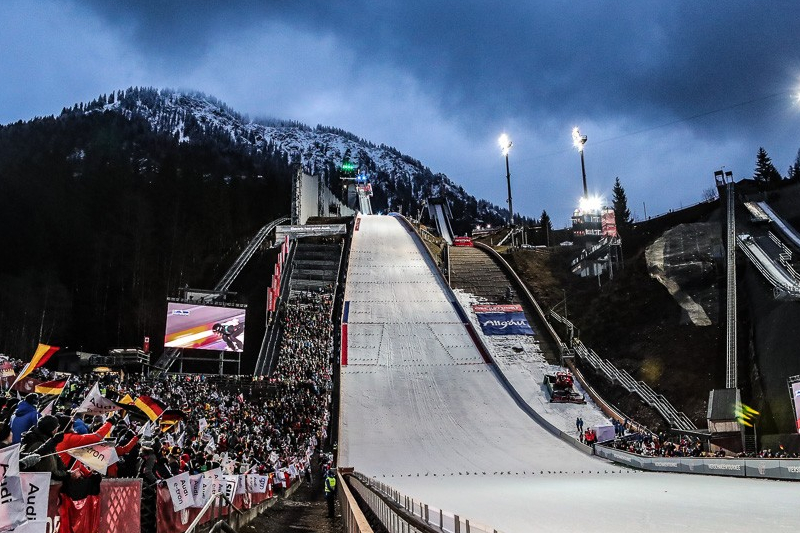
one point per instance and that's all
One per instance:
(440, 80)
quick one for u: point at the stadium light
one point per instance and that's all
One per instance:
(579, 141)
(590, 203)
(505, 147)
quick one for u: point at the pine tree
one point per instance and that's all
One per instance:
(622, 214)
(545, 221)
(765, 173)
(794, 170)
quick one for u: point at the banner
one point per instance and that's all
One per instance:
(12, 504)
(796, 403)
(197, 490)
(502, 320)
(35, 491)
(9, 462)
(256, 484)
(230, 485)
(97, 404)
(97, 456)
(180, 489)
(241, 485)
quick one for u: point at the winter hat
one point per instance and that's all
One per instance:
(47, 424)
(32, 398)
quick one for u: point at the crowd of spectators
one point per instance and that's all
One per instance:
(661, 445)
(244, 426)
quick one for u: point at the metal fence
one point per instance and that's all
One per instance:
(786, 469)
(401, 514)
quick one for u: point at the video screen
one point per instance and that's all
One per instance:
(204, 327)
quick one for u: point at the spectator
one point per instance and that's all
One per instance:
(25, 417)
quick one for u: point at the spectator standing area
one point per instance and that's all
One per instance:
(423, 412)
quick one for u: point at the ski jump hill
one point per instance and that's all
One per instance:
(424, 411)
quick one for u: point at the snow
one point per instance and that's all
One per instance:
(421, 411)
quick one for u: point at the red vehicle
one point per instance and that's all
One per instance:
(462, 241)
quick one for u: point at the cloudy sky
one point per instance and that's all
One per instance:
(667, 92)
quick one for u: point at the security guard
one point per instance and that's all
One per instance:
(330, 490)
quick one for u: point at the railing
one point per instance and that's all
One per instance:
(216, 512)
(352, 515)
(731, 377)
(785, 469)
(401, 514)
(676, 419)
(784, 256)
(272, 335)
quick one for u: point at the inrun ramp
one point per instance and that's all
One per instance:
(423, 412)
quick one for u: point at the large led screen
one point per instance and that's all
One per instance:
(204, 327)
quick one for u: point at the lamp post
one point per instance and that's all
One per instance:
(505, 146)
(579, 140)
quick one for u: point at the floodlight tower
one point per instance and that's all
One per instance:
(579, 140)
(505, 146)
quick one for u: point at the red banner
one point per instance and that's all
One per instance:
(344, 344)
(497, 308)
(120, 504)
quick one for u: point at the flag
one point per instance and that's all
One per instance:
(127, 400)
(170, 417)
(9, 462)
(96, 404)
(746, 415)
(48, 409)
(180, 489)
(53, 388)
(98, 456)
(146, 430)
(150, 406)
(40, 357)
(202, 424)
(35, 490)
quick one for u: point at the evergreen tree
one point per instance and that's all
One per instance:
(765, 173)
(622, 214)
(545, 221)
(794, 170)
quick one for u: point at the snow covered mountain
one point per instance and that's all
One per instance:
(400, 181)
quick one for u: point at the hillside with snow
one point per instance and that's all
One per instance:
(399, 181)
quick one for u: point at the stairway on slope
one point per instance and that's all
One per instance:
(474, 271)
(316, 266)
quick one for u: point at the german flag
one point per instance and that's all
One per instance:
(150, 406)
(53, 388)
(40, 357)
(126, 400)
(170, 417)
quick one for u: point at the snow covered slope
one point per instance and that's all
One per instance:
(420, 410)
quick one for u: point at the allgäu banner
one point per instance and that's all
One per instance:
(502, 320)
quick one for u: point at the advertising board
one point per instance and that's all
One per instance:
(502, 320)
(796, 403)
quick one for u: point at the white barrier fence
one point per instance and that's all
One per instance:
(755, 467)
(392, 509)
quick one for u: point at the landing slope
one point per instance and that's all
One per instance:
(420, 410)
(417, 397)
